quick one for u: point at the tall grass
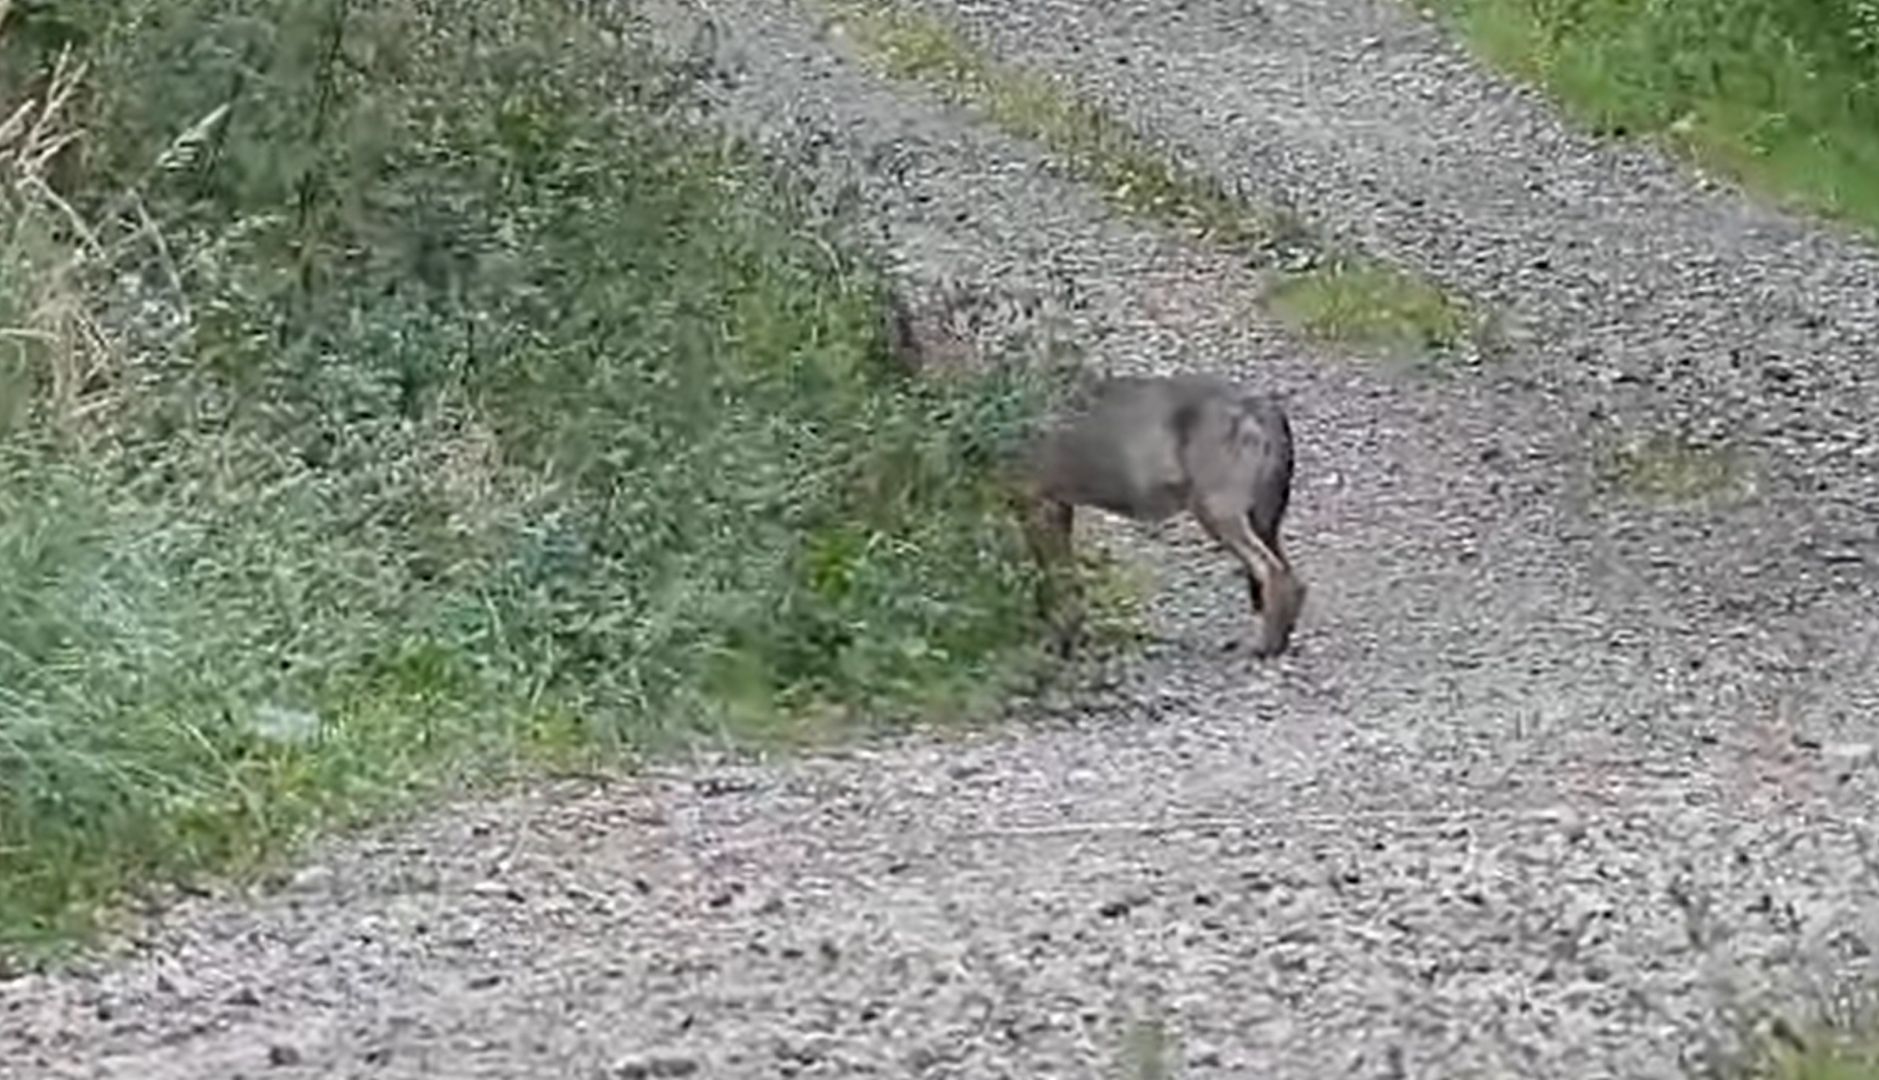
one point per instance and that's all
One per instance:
(395, 392)
(1780, 94)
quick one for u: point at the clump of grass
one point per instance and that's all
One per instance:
(1095, 146)
(1838, 1062)
(1148, 1050)
(1782, 96)
(44, 331)
(463, 412)
(1667, 469)
(1368, 303)
(1827, 1050)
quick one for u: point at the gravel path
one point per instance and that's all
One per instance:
(1551, 787)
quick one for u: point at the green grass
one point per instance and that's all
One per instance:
(1367, 303)
(1844, 1048)
(1781, 96)
(1363, 301)
(1150, 1051)
(1834, 1063)
(1096, 147)
(439, 410)
(1664, 469)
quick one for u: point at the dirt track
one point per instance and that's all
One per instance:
(1553, 783)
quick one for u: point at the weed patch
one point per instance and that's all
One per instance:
(396, 396)
(1665, 469)
(1371, 304)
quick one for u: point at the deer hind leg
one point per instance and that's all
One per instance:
(1269, 535)
(1270, 493)
(1277, 594)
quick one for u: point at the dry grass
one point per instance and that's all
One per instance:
(55, 344)
(45, 326)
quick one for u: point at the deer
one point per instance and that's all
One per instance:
(1149, 447)
(1145, 447)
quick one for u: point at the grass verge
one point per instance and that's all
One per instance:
(394, 396)
(1353, 300)
(1781, 96)
(1150, 1050)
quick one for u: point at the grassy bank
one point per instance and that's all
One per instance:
(1781, 95)
(392, 394)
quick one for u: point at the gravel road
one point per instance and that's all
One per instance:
(1555, 784)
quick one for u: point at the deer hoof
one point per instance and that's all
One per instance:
(1268, 645)
(1063, 643)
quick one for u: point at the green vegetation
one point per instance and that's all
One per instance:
(1149, 1050)
(1833, 1063)
(1844, 1048)
(1354, 300)
(1665, 469)
(1781, 95)
(395, 395)
(1363, 302)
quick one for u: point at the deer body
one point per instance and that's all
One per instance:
(1149, 447)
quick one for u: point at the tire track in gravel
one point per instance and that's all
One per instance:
(1524, 801)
